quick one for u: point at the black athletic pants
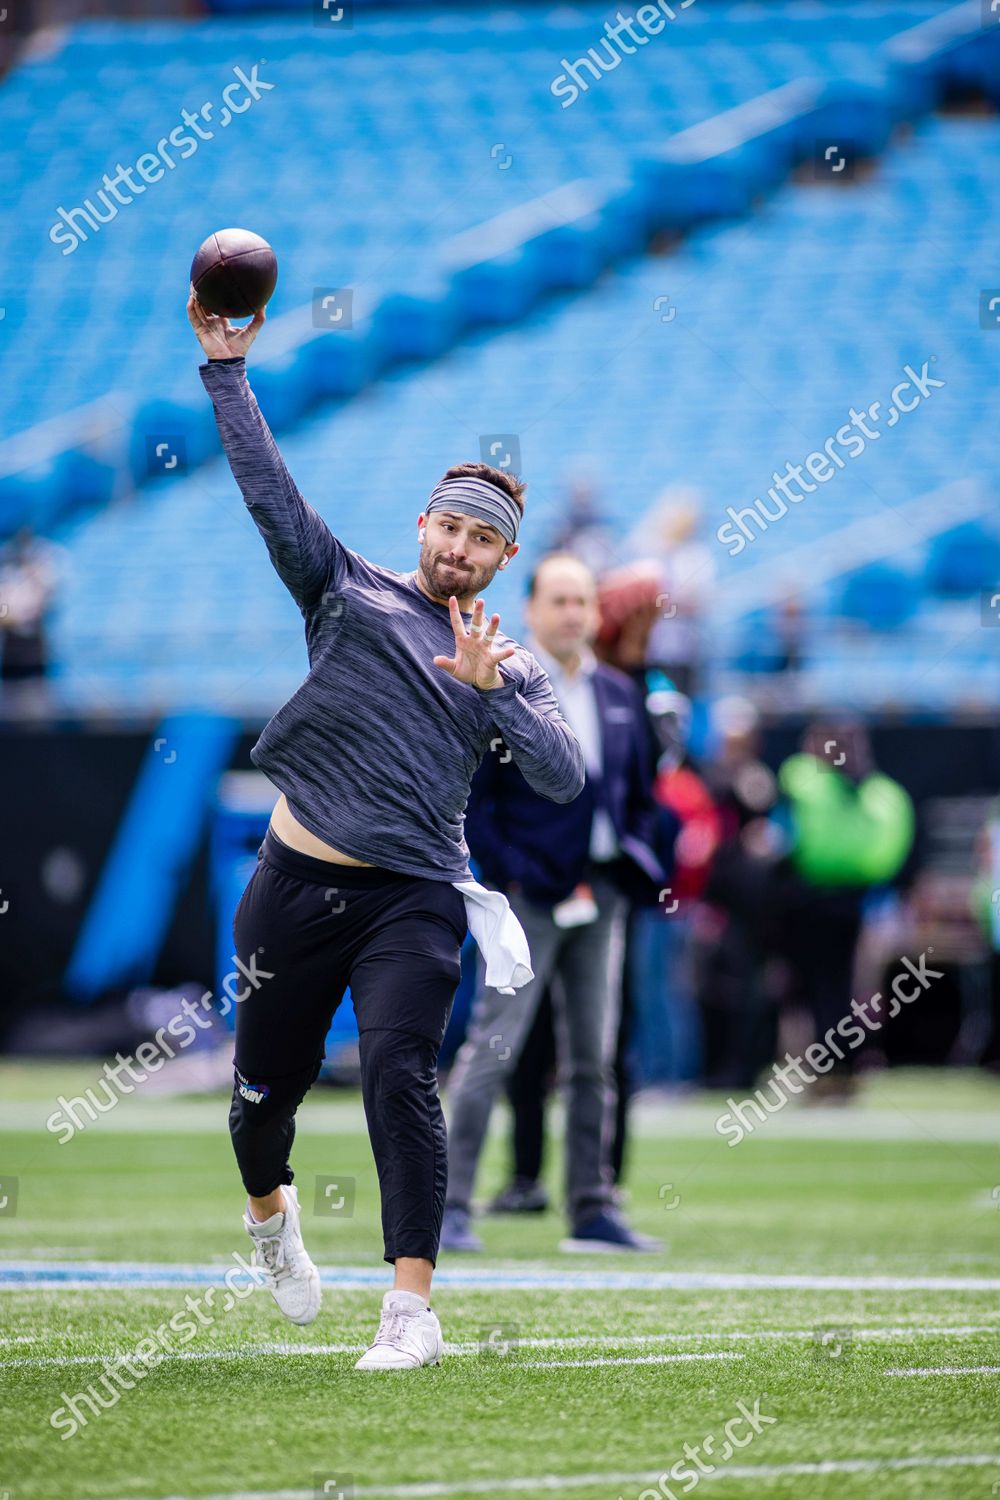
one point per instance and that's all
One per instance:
(305, 929)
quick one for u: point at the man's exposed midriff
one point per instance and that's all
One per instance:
(291, 832)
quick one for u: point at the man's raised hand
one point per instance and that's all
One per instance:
(476, 658)
(217, 336)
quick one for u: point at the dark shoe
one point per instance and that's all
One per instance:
(456, 1231)
(608, 1231)
(522, 1196)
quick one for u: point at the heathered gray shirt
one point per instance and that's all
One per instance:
(376, 750)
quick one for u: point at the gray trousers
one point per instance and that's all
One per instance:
(583, 966)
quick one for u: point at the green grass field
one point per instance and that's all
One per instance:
(808, 1272)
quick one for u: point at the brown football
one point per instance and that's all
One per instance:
(234, 273)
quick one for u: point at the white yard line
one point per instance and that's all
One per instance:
(585, 1341)
(949, 1370)
(542, 1483)
(514, 1342)
(624, 1359)
(494, 1353)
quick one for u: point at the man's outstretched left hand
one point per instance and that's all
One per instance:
(476, 659)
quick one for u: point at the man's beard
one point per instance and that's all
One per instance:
(444, 579)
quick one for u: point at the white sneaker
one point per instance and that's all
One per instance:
(289, 1274)
(409, 1335)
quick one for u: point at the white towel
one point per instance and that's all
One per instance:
(499, 935)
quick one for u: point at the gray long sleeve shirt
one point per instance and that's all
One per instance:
(375, 751)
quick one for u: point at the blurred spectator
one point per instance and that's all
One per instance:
(584, 530)
(738, 1014)
(986, 904)
(668, 1033)
(570, 870)
(28, 576)
(687, 566)
(631, 599)
(774, 640)
(851, 828)
(790, 631)
(528, 1092)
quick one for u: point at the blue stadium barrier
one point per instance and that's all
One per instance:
(760, 649)
(48, 492)
(863, 116)
(964, 561)
(630, 214)
(571, 256)
(880, 596)
(499, 288)
(418, 325)
(715, 169)
(582, 227)
(169, 437)
(952, 53)
(338, 364)
(131, 909)
(283, 386)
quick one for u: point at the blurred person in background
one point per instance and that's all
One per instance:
(569, 878)
(584, 530)
(850, 829)
(668, 1044)
(687, 565)
(986, 908)
(738, 1014)
(28, 581)
(630, 600)
(528, 1091)
(790, 629)
(646, 1050)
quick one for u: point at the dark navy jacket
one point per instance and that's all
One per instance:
(517, 836)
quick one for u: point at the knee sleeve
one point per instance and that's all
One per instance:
(259, 1100)
(262, 1125)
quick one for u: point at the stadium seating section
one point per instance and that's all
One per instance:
(507, 246)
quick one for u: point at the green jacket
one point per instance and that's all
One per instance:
(845, 833)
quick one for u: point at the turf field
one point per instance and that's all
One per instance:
(837, 1273)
